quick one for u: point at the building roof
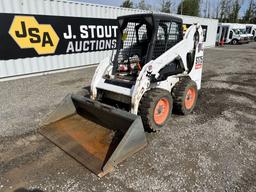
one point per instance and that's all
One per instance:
(156, 16)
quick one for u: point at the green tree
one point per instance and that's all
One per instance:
(127, 4)
(143, 5)
(189, 7)
(233, 16)
(253, 20)
(222, 9)
(226, 7)
(166, 6)
(217, 9)
(249, 12)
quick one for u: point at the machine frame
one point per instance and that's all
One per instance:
(190, 46)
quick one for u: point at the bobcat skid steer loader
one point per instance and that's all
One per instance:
(154, 69)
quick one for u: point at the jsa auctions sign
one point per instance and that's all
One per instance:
(24, 36)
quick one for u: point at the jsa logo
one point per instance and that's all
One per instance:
(28, 33)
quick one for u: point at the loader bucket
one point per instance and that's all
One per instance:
(99, 136)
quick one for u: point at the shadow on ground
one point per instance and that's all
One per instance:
(27, 190)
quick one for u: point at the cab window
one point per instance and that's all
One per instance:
(168, 35)
(236, 31)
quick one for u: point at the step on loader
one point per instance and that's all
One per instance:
(154, 69)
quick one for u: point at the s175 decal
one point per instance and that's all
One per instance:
(199, 62)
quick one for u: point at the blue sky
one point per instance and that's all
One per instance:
(244, 6)
(154, 3)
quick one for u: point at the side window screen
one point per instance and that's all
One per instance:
(160, 33)
(142, 33)
(134, 42)
(167, 37)
(133, 35)
(173, 34)
(129, 36)
(231, 35)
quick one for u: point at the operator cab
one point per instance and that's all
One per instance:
(141, 38)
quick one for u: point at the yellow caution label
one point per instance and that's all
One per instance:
(28, 33)
(125, 35)
(184, 28)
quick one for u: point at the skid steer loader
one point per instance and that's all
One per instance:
(154, 68)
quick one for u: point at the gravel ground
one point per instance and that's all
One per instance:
(213, 149)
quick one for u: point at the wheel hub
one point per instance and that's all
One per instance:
(161, 111)
(190, 98)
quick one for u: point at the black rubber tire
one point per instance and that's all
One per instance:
(234, 42)
(147, 106)
(179, 93)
